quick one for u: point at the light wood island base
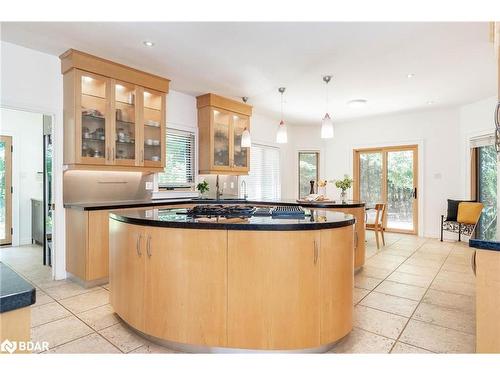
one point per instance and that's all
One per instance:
(204, 290)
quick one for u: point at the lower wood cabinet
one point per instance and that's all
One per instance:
(276, 290)
(186, 285)
(127, 270)
(170, 283)
(487, 266)
(274, 287)
(87, 238)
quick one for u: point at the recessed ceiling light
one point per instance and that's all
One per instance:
(430, 102)
(357, 103)
(410, 75)
(148, 43)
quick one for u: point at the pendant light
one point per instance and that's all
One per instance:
(327, 123)
(246, 139)
(281, 135)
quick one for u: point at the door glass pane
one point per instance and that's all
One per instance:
(240, 153)
(3, 210)
(125, 121)
(308, 171)
(221, 138)
(487, 190)
(93, 117)
(370, 178)
(400, 186)
(152, 127)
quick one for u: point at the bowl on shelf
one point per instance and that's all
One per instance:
(152, 123)
(156, 142)
(149, 142)
(155, 158)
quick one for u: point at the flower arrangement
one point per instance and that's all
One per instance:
(345, 183)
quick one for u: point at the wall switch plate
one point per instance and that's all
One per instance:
(232, 185)
(149, 185)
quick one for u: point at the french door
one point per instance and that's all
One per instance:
(389, 175)
(5, 190)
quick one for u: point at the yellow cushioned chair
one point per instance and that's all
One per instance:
(469, 212)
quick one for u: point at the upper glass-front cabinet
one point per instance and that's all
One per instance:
(94, 107)
(240, 154)
(221, 137)
(221, 122)
(114, 116)
(124, 148)
(154, 131)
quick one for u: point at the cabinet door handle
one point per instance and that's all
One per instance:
(113, 153)
(148, 246)
(355, 238)
(138, 245)
(473, 262)
(142, 156)
(108, 154)
(315, 252)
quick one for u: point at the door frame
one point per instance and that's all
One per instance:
(8, 189)
(416, 179)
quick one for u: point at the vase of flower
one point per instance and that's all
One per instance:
(343, 185)
(202, 187)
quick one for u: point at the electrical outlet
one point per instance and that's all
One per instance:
(149, 185)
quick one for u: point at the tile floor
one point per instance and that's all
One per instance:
(415, 295)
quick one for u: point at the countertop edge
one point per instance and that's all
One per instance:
(484, 244)
(152, 203)
(17, 300)
(232, 226)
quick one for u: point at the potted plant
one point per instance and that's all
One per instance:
(344, 184)
(202, 187)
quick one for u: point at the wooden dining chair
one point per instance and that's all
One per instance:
(378, 225)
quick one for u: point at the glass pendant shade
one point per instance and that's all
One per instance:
(327, 127)
(281, 135)
(246, 140)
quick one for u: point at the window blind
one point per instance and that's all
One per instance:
(179, 166)
(263, 180)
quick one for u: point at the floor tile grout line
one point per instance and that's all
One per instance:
(388, 274)
(423, 296)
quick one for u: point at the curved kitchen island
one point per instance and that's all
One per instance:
(208, 284)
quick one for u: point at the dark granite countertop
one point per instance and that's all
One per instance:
(15, 291)
(176, 218)
(163, 202)
(486, 241)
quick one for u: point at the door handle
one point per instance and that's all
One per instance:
(142, 156)
(415, 193)
(148, 245)
(109, 153)
(138, 245)
(315, 252)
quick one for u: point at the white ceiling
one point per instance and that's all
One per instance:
(453, 63)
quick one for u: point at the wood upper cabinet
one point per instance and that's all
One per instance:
(114, 116)
(221, 123)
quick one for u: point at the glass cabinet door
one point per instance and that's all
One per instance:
(240, 154)
(151, 154)
(124, 150)
(221, 125)
(94, 106)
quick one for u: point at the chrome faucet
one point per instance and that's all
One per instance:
(244, 183)
(218, 191)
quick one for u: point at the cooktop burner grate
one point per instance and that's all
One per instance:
(221, 210)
